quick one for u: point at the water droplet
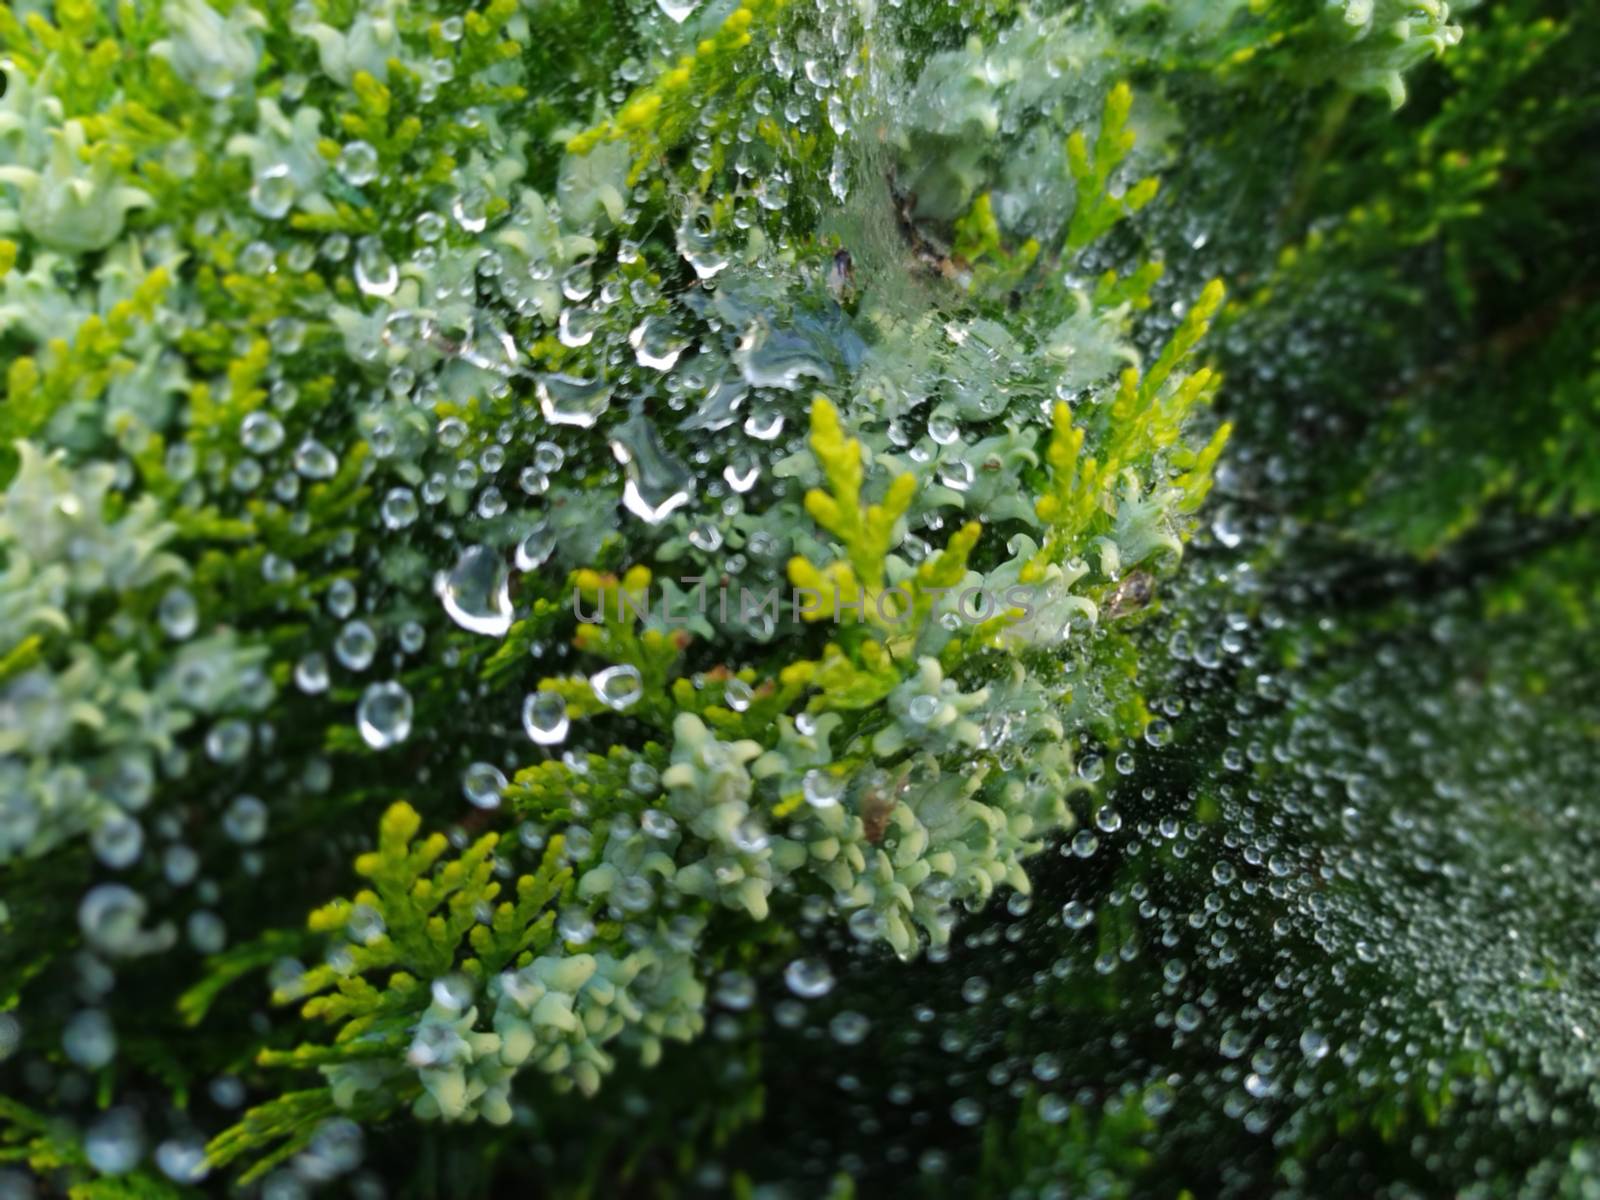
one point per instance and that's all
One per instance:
(110, 915)
(657, 824)
(342, 598)
(114, 1144)
(678, 11)
(272, 191)
(482, 783)
(178, 614)
(966, 1111)
(849, 1028)
(477, 592)
(89, 1040)
(261, 433)
(384, 715)
(808, 978)
(355, 646)
(1158, 1100)
(228, 741)
(536, 547)
(245, 820)
(117, 841)
(311, 673)
(571, 400)
(183, 1160)
(1313, 1045)
(544, 717)
(821, 788)
(657, 484)
(313, 460)
(575, 926)
(376, 273)
(699, 245)
(577, 327)
(737, 694)
(780, 357)
(956, 475)
(358, 163)
(742, 473)
(400, 508)
(656, 343)
(618, 687)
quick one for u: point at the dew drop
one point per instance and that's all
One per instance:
(849, 1028)
(261, 433)
(89, 1040)
(400, 508)
(821, 788)
(178, 614)
(656, 344)
(384, 715)
(657, 484)
(482, 784)
(358, 163)
(737, 694)
(313, 460)
(376, 273)
(535, 548)
(477, 592)
(355, 646)
(272, 191)
(618, 687)
(678, 11)
(572, 400)
(808, 978)
(544, 717)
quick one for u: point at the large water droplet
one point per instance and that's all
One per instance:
(273, 191)
(618, 687)
(769, 356)
(544, 717)
(399, 508)
(658, 484)
(477, 592)
(808, 978)
(482, 784)
(577, 327)
(570, 400)
(178, 614)
(89, 1039)
(384, 715)
(115, 1142)
(536, 547)
(699, 245)
(354, 648)
(376, 273)
(678, 10)
(656, 343)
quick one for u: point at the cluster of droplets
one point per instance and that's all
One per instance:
(407, 465)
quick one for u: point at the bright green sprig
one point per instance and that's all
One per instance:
(1097, 209)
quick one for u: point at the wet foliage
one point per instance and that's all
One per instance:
(798, 598)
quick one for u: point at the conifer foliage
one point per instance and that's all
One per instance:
(579, 581)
